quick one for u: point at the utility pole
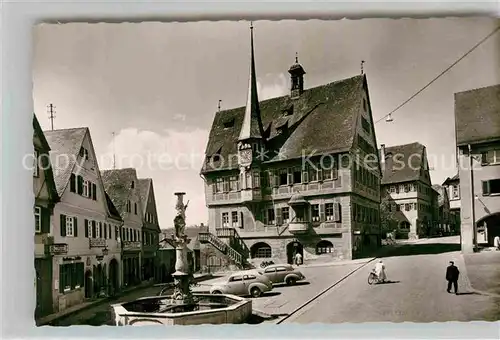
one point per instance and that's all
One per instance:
(51, 111)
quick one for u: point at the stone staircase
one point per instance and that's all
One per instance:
(235, 249)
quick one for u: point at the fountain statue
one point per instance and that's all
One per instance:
(182, 277)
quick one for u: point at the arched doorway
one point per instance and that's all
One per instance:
(324, 247)
(261, 250)
(292, 249)
(113, 276)
(88, 284)
(488, 228)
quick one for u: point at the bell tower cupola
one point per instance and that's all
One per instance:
(297, 78)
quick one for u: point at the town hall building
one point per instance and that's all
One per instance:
(294, 174)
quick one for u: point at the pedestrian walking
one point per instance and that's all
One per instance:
(452, 274)
(496, 242)
(298, 259)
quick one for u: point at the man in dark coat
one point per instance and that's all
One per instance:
(452, 273)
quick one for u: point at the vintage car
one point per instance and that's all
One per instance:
(282, 273)
(244, 283)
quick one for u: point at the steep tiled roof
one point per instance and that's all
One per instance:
(117, 184)
(448, 180)
(144, 185)
(321, 120)
(112, 209)
(49, 174)
(404, 167)
(440, 191)
(477, 115)
(65, 145)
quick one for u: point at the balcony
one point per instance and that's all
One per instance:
(251, 195)
(232, 197)
(298, 227)
(131, 245)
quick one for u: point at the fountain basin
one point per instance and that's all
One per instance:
(208, 309)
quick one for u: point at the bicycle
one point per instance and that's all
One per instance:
(373, 278)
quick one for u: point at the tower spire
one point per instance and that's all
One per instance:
(252, 123)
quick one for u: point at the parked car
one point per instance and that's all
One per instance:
(244, 283)
(282, 273)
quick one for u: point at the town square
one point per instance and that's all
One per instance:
(266, 172)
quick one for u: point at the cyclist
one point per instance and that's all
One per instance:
(380, 271)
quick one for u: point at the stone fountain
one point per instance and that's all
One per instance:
(182, 307)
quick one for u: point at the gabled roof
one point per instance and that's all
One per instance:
(65, 145)
(477, 115)
(112, 209)
(449, 180)
(321, 120)
(144, 185)
(117, 184)
(49, 174)
(405, 167)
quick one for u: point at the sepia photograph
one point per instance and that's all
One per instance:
(266, 172)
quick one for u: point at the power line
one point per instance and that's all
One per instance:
(441, 74)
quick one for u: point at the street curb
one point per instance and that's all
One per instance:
(323, 292)
(469, 284)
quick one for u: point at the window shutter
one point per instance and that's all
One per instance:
(93, 229)
(105, 231)
(94, 192)
(486, 188)
(484, 158)
(305, 176)
(322, 212)
(337, 212)
(279, 216)
(61, 278)
(72, 183)
(86, 225)
(63, 224)
(75, 226)
(110, 233)
(240, 220)
(289, 177)
(80, 185)
(45, 220)
(89, 190)
(100, 230)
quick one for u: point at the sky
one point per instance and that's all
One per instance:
(156, 86)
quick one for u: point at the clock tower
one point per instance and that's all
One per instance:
(251, 140)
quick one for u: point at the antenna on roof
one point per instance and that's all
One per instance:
(362, 64)
(218, 106)
(114, 158)
(51, 111)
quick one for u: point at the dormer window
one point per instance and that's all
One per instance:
(229, 123)
(216, 156)
(132, 185)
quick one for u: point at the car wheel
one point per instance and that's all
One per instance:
(216, 292)
(290, 281)
(255, 292)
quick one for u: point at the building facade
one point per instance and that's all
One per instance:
(84, 229)
(477, 128)
(150, 231)
(46, 197)
(408, 199)
(452, 186)
(289, 174)
(122, 186)
(443, 215)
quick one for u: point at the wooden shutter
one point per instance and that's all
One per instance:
(289, 176)
(63, 224)
(240, 220)
(486, 187)
(89, 189)
(86, 222)
(279, 216)
(100, 230)
(94, 192)
(110, 235)
(484, 158)
(322, 212)
(62, 275)
(354, 212)
(45, 220)
(93, 229)
(72, 183)
(105, 231)
(75, 226)
(337, 212)
(305, 176)
(79, 185)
